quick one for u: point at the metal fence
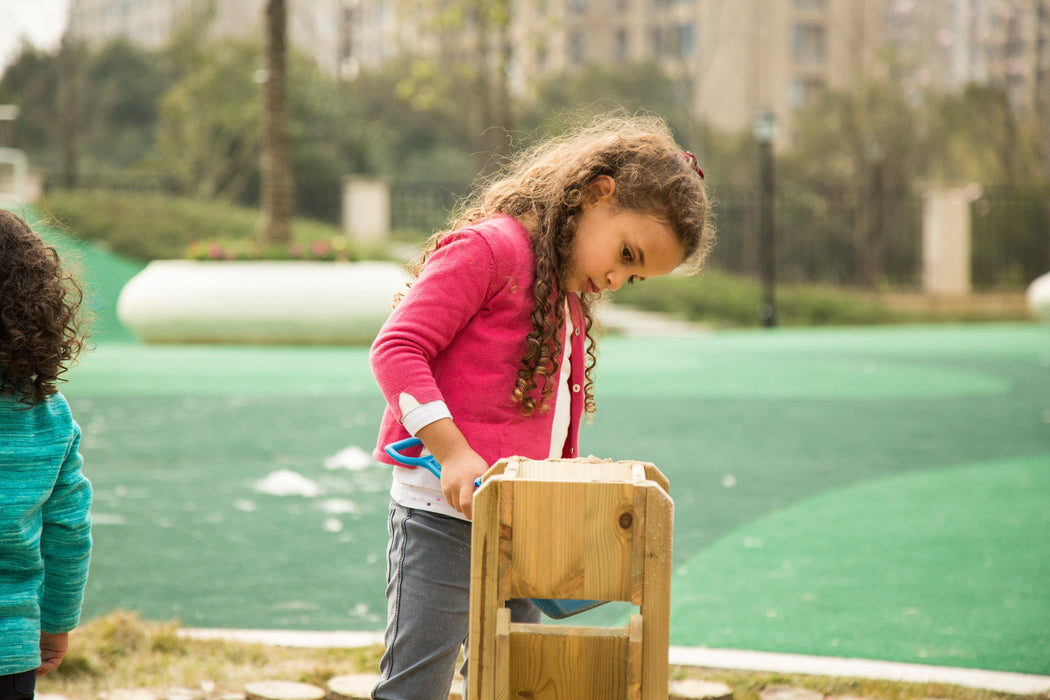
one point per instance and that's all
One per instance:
(1010, 240)
(423, 207)
(857, 242)
(831, 240)
(839, 240)
(842, 240)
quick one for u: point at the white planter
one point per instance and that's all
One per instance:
(1039, 297)
(184, 301)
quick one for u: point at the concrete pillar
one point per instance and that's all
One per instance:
(14, 176)
(946, 240)
(366, 208)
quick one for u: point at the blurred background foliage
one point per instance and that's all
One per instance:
(150, 151)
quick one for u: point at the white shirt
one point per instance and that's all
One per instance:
(418, 488)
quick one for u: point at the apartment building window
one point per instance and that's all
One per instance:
(620, 50)
(656, 41)
(541, 57)
(802, 91)
(808, 44)
(685, 37)
(578, 6)
(809, 5)
(577, 47)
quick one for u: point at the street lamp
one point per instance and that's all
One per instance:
(765, 130)
(876, 248)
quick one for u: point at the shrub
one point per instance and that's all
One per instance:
(335, 249)
(149, 226)
(723, 299)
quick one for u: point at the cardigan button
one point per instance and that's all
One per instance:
(575, 388)
(575, 331)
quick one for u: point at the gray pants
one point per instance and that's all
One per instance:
(428, 605)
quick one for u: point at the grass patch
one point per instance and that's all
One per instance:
(121, 650)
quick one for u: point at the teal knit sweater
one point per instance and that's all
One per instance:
(45, 527)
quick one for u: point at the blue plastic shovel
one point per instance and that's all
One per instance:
(551, 607)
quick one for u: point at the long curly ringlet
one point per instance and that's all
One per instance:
(40, 331)
(545, 188)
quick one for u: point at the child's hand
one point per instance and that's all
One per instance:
(460, 464)
(52, 650)
(457, 480)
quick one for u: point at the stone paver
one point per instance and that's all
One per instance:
(357, 686)
(787, 692)
(692, 689)
(131, 694)
(283, 690)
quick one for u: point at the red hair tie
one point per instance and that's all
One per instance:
(692, 161)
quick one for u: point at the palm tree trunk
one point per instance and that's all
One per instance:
(277, 184)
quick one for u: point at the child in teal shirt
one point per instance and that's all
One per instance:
(45, 525)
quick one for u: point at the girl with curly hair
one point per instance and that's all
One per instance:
(491, 352)
(45, 525)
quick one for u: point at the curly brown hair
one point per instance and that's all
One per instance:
(40, 332)
(545, 187)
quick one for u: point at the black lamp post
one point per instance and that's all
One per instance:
(877, 246)
(765, 131)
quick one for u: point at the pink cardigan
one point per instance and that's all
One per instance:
(458, 336)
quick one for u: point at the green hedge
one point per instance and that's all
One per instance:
(153, 226)
(726, 300)
(723, 299)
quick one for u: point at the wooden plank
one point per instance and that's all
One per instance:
(655, 475)
(501, 682)
(583, 529)
(484, 601)
(568, 663)
(638, 550)
(634, 658)
(569, 540)
(581, 471)
(656, 605)
(504, 535)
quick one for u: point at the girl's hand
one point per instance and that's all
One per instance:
(457, 480)
(460, 464)
(52, 650)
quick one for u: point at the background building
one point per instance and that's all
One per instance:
(948, 44)
(318, 27)
(730, 59)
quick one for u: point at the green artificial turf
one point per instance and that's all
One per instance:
(947, 567)
(872, 492)
(826, 473)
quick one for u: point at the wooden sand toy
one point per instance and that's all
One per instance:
(570, 529)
